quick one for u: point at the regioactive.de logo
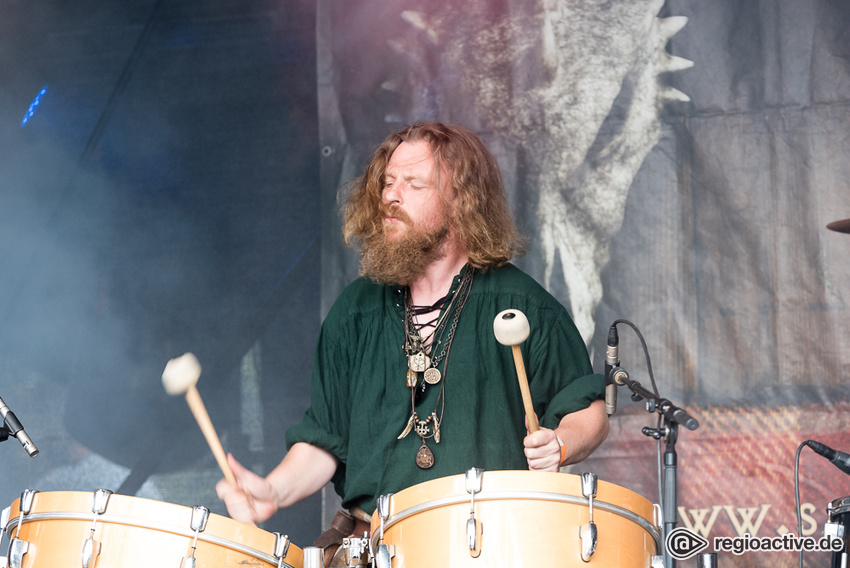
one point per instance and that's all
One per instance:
(683, 543)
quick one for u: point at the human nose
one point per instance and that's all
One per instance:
(392, 194)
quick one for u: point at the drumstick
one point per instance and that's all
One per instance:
(511, 328)
(180, 377)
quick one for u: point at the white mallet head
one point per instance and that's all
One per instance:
(511, 327)
(180, 374)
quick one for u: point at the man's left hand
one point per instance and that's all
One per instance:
(543, 451)
(581, 431)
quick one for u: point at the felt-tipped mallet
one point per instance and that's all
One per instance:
(511, 328)
(181, 377)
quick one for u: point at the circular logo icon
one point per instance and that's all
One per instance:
(684, 543)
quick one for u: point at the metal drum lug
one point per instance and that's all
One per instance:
(4, 518)
(384, 504)
(657, 515)
(100, 501)
(17, 549)
(473, 480)
(91, 549)
(588, 484)
(198, 524)
(27, 498)
(281, 548)
(588, 536)
(200, 515)
(383, 556)
(587, 533)
(474, 528)
(474, 532)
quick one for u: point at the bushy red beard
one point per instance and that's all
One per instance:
(402, 260)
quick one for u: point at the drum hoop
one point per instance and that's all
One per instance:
(839, 506)
(511, 495)
(173, 529)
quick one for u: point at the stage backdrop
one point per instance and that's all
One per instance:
(672, 164)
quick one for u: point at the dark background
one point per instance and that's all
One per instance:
(162, 198)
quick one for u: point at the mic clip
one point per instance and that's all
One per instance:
(656, 433)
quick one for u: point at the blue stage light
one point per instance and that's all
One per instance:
(31, 110)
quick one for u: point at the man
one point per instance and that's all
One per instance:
(409, 383)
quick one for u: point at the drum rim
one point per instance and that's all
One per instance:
(162, 527)
(507, 495)
(839, 506)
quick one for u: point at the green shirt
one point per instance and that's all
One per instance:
(360, 401)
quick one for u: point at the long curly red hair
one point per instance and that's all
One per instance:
(481, 217)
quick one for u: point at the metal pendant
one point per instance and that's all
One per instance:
(424, 457)
(433, 375)
(418, 362)
(408, 427)
(411, 378)
(421, 427)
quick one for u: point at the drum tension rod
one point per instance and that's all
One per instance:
(835, 527)
(587, 533)
(17, 547)
(384, 553)
(474, 529)
(91, 548)
(198, 524)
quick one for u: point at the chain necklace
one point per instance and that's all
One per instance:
(419, 362)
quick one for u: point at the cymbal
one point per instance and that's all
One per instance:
(842, 226)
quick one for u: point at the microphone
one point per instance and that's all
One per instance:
(840, 459)
(16, 429)
(612, 360)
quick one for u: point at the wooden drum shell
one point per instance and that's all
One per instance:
(529, 519)
(135, 532)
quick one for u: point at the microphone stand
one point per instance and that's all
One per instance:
(11, 426)
(673, 416)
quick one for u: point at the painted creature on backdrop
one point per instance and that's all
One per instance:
(577, 87)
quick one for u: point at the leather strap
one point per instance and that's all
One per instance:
(342, 525)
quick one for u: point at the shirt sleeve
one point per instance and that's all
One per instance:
(325, 424)
(561, 377)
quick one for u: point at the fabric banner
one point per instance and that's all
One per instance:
(672, 164)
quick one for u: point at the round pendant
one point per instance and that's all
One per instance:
(433, 375)
(424, 457)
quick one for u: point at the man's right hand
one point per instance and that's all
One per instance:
(304, 470)
(252, 500)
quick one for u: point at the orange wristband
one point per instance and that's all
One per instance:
(563, 451)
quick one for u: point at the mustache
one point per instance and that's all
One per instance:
(395, 211)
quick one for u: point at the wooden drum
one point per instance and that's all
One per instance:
(515, 519)
(102, 530)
